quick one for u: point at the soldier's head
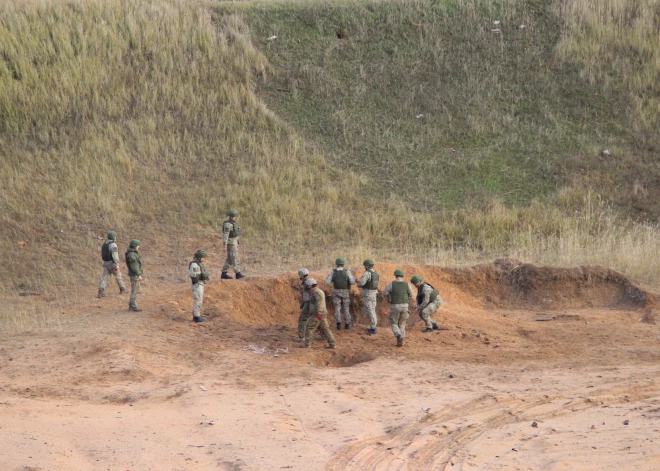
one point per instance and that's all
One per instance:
(340, 262)
(233, 214)
(134, 244)
(112, 235)
(303, 273)
(398, 273)
(416, 280)
(200, 255)
(368, 263)
(310, 283)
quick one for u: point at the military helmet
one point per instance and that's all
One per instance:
(368, 263)
(303, 272)
(112, 235)
(200, 254)
(310, 282)
(232, 212)
(340, 261)
(134, 243)
(415, 279)
(398, 272)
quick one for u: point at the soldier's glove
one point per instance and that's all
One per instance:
(318, 316)
(116, 268)
(195, 279)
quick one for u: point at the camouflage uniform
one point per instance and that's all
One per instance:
(340, 295)
(304, 310)
(426, 307)
(369, 294)
(318, 318)
(398, 296)
(198, 278)
(230, 240)
(111, 267)
(134, 264)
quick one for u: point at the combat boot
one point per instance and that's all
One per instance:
(199, 318)
(101, 293)
(224, 276)
(399, 341)
(347, 326)
(338, 325)
(239, 275)
(371, 332)
(427, 330)
(331, 346)
(122, 290)
(297, 339)
(436, 326)
(134, 309)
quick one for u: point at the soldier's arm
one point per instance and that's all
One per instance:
(328, 280)
(426, 291)
(114, 253)
(351, 279)
(387, 290)
(364, 279)
(194, 272)
(225, 233)
(315, 303)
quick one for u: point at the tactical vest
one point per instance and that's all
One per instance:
(203, 276)
(420, 293)
(399, 294)
(373, 282)
(340, 279)
(235, 229)
(106, 255)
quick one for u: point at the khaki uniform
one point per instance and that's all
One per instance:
(318, 318)
(398, 310)
(109, 267)
(304, 310)
(341, 297)
(230, 240)
(134, 264)
(198, 278)
(426, 307)
(369, 297)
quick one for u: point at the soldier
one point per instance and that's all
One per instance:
(398, 293)
(134, 264)
(303, 274)
(230, 233)
(110, 257)
(369, 284)
(341, 280)
(318, 316)
(428, 301)
(198, 278)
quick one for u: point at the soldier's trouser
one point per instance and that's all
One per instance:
(430, 308)
(198, 298)
(398, 318)
(341, 299)
(135, 290)
(109, 270)
(314, 324)
(302, 319)
(232, 258)
(369, 303)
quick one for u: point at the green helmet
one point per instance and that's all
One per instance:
(340, 261)
(415, 279)
(112, 235)
(232, 212)
(200, 254)
(398, 272)
(134, 243)
(368, 263)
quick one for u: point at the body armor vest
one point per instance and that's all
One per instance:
(340, 279)
(420, 293)
(106, 255)
(373, 282)
(235, 229)
(203, 276)
(399, 294)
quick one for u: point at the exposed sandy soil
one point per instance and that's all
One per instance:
(113, 390)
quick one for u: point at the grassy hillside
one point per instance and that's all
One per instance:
(152, 118)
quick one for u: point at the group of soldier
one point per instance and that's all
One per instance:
(314, 315)
(313, 312)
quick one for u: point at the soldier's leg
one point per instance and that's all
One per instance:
(346, 307)
(428, 311)
(302, 320)
(198, 298)
(324, 328)
(135, 290)
(228, 260)
(403, 321)
(373, 318)
(120, 281)
(336, 300)
(394, 321)
(234, 258)
(104, 278)
(312, 326)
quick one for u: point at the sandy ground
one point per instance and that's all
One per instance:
(497, 390)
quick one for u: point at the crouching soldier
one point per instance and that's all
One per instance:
(110, 257)
(303, 275)
(398, 293)
(428, 301)
(318, 316)
(198, 278)
(134, 264)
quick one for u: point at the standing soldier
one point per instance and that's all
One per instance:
(318, 316)
(398, 293)
(303, 274)
(428, 301)
(134, 264)
(198, 278)
(369, 284)
(110, 257)
(341, 280)
(230, 233)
